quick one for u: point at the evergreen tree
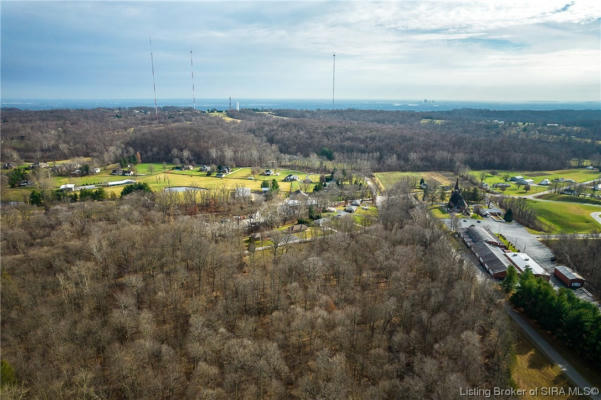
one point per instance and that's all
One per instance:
(508, 215)
(16, 175)
(511, 279)
(140, 186)
(36, 198)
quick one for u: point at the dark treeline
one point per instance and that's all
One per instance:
(583, 256)
(375, 140)
(208, 141)
(422, 146)
(114, 300)
(567, 117)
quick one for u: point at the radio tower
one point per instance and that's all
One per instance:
(333, 77)
(154, 86)
(193, 95)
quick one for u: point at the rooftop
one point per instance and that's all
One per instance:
(568, 272)
(523, 262)
(491, 256)
(479, 234)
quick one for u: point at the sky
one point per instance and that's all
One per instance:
(490, 50)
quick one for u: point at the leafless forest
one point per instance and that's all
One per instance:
(373, 140)
(139, 298)
(582, 255)
(121, 300)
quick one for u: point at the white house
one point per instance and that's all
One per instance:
(545, 182)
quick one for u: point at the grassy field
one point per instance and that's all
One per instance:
(224, 116)
(568, 198)
(566, 217)
(532, 369)
(153, 168)
(577, 174)
(388, 179)
(439, 212)
(159, 176)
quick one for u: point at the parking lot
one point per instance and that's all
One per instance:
(525, 242)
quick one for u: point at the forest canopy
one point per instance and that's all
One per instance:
(374, 140)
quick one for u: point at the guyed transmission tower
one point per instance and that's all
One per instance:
(154, 86)
(193, 94)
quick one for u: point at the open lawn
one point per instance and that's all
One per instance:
(224, 116)
(153, 168)
(532, 369)
(439, 212)
(366, 217)
(577, 174)
(388, 179)
(246, 172)
(559, 217)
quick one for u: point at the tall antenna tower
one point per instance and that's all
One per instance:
(154, 86)
(193, 94)
(230, 102)
(333, 77)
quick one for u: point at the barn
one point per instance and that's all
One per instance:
(570, 278)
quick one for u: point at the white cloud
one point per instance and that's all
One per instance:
(384, 48)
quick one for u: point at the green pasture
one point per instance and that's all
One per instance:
(562, 217)
(389, 179)
(159, 176)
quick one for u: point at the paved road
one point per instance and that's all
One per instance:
(534, 196)
(596, 216)
(374, 189)
(553, 355)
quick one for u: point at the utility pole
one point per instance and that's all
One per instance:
(333, 77)
(193, 94)
(230, 102)
(154, 86)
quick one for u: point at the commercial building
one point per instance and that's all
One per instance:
(477, 234)
(492, 259)
(523, 262)
(569, 277)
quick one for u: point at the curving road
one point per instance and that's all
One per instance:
(534, 196)
(550, 352)
(596, 216)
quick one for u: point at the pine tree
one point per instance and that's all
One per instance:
(511, 279)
